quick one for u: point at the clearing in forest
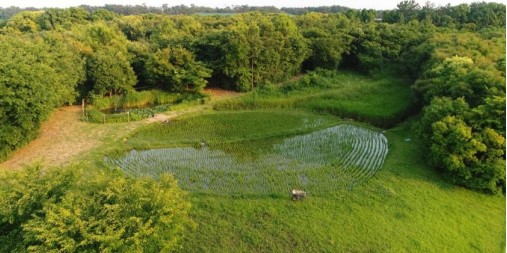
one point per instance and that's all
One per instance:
(64, 137)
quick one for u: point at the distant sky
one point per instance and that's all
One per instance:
(358, 4)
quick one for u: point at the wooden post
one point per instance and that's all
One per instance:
(83, 107)
(128, 115)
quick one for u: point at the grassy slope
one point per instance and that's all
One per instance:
(383, 101)
(407, 207)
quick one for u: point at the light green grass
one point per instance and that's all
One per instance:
(227, 127)
(382, 101)
(407, 207)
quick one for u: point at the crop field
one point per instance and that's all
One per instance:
(223, 127)
(320, 162)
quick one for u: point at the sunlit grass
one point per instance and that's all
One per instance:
(382, 101)
(406, 207)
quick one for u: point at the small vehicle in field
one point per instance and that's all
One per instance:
(298, 194)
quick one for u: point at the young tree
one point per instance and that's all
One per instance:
(176, 69)
(110, 72)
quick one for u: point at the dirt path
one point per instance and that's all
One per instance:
(64, 136)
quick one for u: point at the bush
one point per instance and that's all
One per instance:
(69, 210)
(129, 106)
(136, 100)
(96, 116)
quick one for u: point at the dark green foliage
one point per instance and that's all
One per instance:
(458, 77)
(327, 39)
(255, 49)
(176, 69)
(94, 211)
(378, 47)
(464, 16)
(57, 19)
(36, 75)
(110, 73)
(463, 126)
(472, 157)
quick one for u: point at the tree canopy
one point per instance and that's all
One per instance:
(73, 210)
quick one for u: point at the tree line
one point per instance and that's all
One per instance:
(53, 57)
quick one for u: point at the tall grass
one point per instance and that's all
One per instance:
(381, 101)
(95, 116)
(136, 100)
(139, 105)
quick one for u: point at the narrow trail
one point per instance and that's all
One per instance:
(63, 137)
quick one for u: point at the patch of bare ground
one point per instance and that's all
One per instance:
(64, 136)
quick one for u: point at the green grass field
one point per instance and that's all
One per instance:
(382, 101)
(227, 127)
(406, 207)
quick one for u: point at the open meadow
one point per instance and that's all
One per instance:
(239, 186)
(369, 189)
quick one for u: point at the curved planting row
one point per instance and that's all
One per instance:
(327, 160)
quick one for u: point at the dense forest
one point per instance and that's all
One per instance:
(453, 55)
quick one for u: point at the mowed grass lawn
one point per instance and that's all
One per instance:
(407, 207)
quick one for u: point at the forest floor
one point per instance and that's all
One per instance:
(64, 136)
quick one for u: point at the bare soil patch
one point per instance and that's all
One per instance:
(64, 136)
